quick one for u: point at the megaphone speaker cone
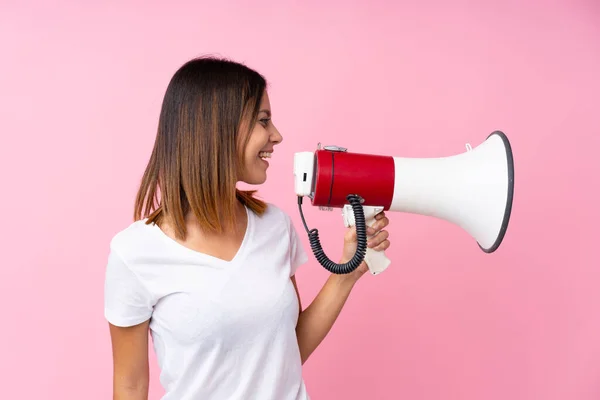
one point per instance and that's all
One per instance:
(473, 190)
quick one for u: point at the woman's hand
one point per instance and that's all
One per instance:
(315, 322)
(378, 240)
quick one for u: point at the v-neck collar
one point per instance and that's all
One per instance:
(195, 253)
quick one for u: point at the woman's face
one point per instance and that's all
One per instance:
(263, 138)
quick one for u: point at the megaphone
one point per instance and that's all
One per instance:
(473, 190)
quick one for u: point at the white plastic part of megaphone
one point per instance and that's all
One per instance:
(473, 189)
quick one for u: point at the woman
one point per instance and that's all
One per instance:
(209, 269)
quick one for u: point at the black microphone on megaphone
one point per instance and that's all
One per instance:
(473, 190)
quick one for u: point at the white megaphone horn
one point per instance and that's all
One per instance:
(473, 190)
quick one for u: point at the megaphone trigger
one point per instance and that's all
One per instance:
(377, 261)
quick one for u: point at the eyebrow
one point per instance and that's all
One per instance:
(268, 112)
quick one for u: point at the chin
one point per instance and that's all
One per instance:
(260, 181)
(257, 179)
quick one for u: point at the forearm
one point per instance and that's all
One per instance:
(315, 322)
(123, 391)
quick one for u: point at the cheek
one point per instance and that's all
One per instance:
(251, 159)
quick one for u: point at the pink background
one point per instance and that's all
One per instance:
(81, 85)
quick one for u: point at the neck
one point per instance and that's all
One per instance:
(239, 225)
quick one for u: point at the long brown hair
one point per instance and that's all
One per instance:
(207, 114)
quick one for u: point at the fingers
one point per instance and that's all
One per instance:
(379, 239)
(381, 222)
(382, 246)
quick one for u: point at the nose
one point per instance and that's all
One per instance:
(276, 136)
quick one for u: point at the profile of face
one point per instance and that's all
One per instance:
(263, 138)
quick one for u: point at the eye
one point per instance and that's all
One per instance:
(265, 121)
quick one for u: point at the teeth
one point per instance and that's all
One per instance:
(264, 154)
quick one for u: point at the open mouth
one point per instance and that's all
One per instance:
(264, 154)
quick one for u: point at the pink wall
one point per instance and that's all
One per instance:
(81, 87)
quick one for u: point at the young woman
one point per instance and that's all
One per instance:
(209, 269)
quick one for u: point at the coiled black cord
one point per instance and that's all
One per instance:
(361, 233)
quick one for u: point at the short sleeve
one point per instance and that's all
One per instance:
(298, 255)
(126, 301)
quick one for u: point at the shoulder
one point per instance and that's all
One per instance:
(274, 214)
(281, 228)
(133, 238)
(128, 297)
(273, 223)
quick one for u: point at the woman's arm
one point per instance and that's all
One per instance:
(130, 362)
(316, 321)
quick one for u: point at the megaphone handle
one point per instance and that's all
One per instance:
(377, 261)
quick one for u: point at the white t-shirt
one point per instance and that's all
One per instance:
(221, 330)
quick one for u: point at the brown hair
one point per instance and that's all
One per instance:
(207, 114)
